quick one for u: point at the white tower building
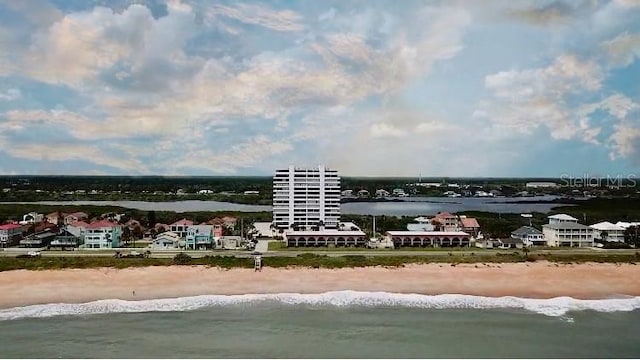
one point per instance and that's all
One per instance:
(307, 197)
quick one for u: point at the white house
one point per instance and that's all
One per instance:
(381, 193)
(568, 233)
(32, 218)
(607, 231)
(561, 218)
(627, 225)
(102, 234)
(529, 235)
(166, 241)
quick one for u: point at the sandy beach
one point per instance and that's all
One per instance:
(533, 280)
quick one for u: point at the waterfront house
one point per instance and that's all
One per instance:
(77, 228)
(606, 231)
(55, 217)
(180, 227)
(10, 235)
(230, 221)
(469, 225)
(381, 193)
(529, 235)
(445, 221)
(363, 193)
(199, 237)
(218, 226)
(627, 225)
(166, 241)
(74, 217)
(510, 243)
(31, 218)
(38, 240)
(561, 218)
(64, 239)
(102, 234)
(568, 233)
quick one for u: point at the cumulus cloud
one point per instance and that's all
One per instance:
(623, 49)
(523, 100)
(10, 94)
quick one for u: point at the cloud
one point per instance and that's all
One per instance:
(283, 20)
(623, 49)
(75, 152)
(625, 142)
(555, 12)
(11, 95)
(523, 100)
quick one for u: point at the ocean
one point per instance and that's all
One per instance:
(341, 324)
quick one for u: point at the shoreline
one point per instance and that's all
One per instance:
(539, 280)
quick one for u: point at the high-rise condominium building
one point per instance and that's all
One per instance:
(307, 197)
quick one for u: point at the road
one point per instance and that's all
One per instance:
(333, 253)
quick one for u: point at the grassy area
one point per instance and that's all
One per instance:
(310, 260)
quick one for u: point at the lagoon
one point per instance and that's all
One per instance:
(413, 206)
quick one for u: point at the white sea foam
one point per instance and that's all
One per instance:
(558, 306)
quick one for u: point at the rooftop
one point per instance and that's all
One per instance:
(606, 226)
(9, 226)
(183, 222)
(324, 233)
(101, 224)
(427, 233)
(470, 223)
(526, 230)
(564, 217)
(566, 225)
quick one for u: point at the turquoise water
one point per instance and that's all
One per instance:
(276, 329)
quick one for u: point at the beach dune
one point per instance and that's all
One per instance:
(531, 280)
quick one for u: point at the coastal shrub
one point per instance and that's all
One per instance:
(182, 259)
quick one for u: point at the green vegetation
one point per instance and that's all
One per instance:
(308, 260)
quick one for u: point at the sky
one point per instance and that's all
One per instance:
(371, 88)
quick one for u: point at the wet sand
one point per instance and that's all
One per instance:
(532, 280)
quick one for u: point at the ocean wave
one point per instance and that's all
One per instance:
(558, 306)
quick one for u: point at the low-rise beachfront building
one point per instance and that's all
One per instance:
(606, 231)
(509, 243)
(325, 238)
(102, 234)
(568, 234)
(381, 193)
(428, 238)
(166, 241)
(181, 227)
(199, 237)
(75, 217)
(65, 240)
(561, 218)
(38, 240)
(529, 235)
(10, 234)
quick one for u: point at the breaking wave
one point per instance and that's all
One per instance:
(558, 306)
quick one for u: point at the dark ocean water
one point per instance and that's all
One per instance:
(274, 329)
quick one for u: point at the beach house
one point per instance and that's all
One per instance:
(181, 227)
(568, 233)
(561, 218)
(199, 237)
(74, 217)
(10, 234)
(102, 234)
(166, 241)
(428, 238)
(529, 235)
(606, 231)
